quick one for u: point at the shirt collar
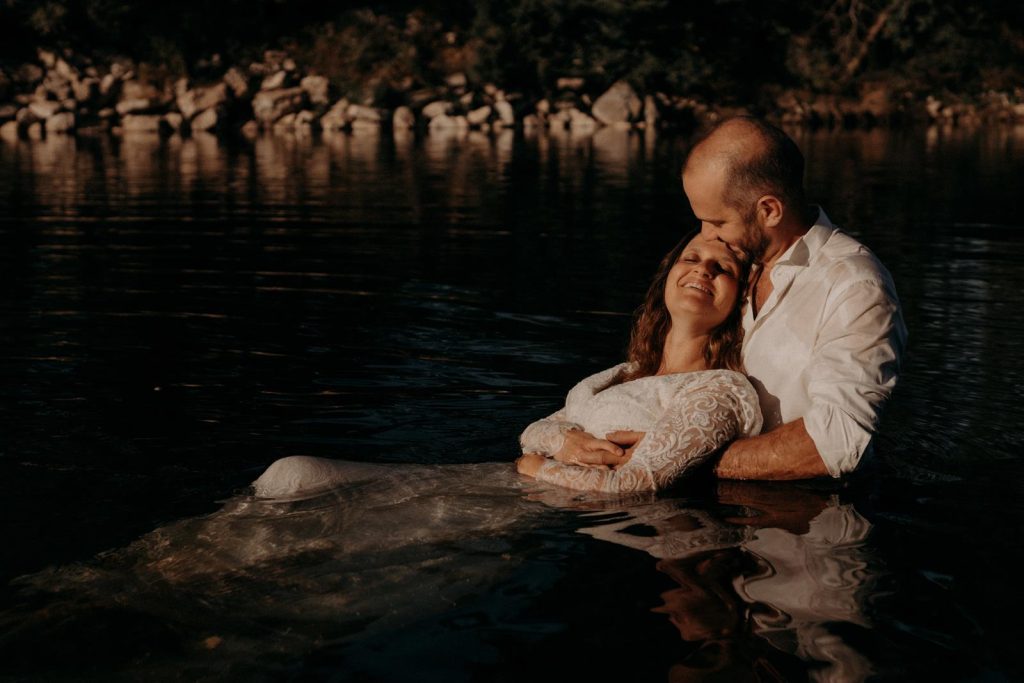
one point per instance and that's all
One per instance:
(803, 251)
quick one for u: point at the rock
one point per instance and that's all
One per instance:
(456, 81)
(250, 129)
(141, 123)
(274, 81)
(236, 82)
(619, 103)
(203, 99)
(1018, 111)
(8, 112)
(205, 120)
(9, 131)
(28, 74)
(505, 114)
(106, 113)
(25, 116)
(63, 122)
(531, 122)
(274, 58)
(86, 90)
(419, 98)
(289, 65)
(47, 57)
(580, 122)
(403, 119)
(58, 86)
(285, 123)
(121, 69)
(491, 90)
(65, 70)
(110, 85)
(467, 100)
(573, 83)
(445, 122)
(479, 116)
(174, 120)
(270, 105)
(305, 119)
(34, 131)
(543, 107)
(44, 110)
(364, 126)
(316, 88)
(337, 117)
(132, 106)
(139, 90)
(436, 108)
(933, 107)
(357, 112)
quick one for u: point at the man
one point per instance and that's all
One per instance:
(823, 332)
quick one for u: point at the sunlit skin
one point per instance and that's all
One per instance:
(701, 290)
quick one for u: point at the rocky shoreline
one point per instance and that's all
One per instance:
(66, 94)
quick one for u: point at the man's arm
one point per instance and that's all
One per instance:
(787, 452)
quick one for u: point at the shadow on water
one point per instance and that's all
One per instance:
(177, 314)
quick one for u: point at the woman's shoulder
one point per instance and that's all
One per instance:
(588, 386)
(734, 389)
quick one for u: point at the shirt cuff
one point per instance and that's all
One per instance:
(840, 440)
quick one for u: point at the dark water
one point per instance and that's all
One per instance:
(175, 315)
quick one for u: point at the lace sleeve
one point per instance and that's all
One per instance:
(701, 420)
(546, 436)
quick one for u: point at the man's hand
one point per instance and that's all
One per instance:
(529, 463)
(582, 448)
(628, 440)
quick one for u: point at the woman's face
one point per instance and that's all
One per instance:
(703, 284)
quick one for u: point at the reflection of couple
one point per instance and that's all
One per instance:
(821, 330)
(821, 333)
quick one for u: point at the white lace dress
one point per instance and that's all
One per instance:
(686, 417)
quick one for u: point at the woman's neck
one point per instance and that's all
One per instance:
(683, 352)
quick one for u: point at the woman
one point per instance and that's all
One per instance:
(681, 386)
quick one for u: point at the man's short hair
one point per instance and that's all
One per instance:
(776, 169)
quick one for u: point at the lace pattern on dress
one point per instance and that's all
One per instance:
(701, 419)
(548, 435)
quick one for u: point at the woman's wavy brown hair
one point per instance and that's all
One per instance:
(652, 322)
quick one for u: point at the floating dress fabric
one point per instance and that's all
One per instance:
(686, 417)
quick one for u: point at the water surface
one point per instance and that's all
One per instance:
(176, 314)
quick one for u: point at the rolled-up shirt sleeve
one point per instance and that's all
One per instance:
(853, 370)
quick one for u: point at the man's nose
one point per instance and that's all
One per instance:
(707, 232)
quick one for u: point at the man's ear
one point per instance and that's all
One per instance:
(770, 210)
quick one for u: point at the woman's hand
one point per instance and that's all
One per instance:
(529, 463)
(581, 448)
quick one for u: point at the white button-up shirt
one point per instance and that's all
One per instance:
(826, 344)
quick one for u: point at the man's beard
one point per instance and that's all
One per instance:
(755, 240)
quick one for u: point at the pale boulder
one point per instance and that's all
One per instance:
(619, 104)
(205, 120)
(274, 81)
(62, 122)
(317, 88)
(403, 119)
(337, 117)
(479, 116)
(174, 120)
(436, 108)
(236, 82)
(269, 106)
(133, 106)
(358, 112)
(141, 123)
(44, 109)
(9, 131)
(505, 113)
(443, 122)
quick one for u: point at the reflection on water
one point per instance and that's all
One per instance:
(176, 314)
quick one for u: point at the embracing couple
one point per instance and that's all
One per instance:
(769, 339)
